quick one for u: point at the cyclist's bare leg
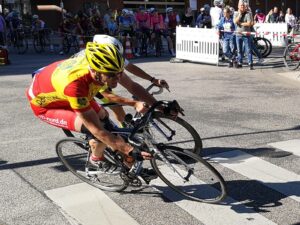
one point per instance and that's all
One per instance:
(97, 147)
(119, 113)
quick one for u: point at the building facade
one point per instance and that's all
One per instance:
(54, 17)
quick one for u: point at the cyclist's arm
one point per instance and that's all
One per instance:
(142, 74)
(136, 90)
(138, 105)
(91, 122)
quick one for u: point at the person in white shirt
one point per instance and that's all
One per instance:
(216, 12)
(290, 19)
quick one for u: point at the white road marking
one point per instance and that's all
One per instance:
(232, 212)
(277, 178)
(292, 146)
(89, 205)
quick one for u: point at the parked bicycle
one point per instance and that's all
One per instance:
(70, 41)
(183, 171)
(17, 39)
(291, 56)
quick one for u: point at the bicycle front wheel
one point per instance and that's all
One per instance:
(174, 131)
(189, 175)
(75, 157)
(291, 56)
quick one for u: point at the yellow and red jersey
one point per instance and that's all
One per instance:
(64, 84)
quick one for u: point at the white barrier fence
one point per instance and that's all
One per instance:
(197, 44)
(276, 33)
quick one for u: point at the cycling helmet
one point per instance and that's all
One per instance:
(125, 11)
(206, 7)
(218, 2)
(106, 39)
(169, 9)
(104, 58)
(35, 17)
(257, 11)
(152, 10)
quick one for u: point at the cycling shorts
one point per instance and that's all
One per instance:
(63, 117)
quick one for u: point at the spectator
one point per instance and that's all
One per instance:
(216, 12)
(281, 18)
(96, 21)
(290, 19)
(227, 27)
(204, 18)
(268, 17)
(187, 18)
(259, 16)
(275, 16)
(243, 21)
(106, 19)
(2, 30)
(112, 27)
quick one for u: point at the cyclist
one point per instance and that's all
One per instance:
(143, 23)
(14, 23)
(172, 20)
(127, 28)
(38, 26)
(62, 94)
(133, 87)
(68, 27)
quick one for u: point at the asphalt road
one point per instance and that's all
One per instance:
(234, 110)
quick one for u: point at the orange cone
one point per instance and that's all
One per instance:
(128, 50)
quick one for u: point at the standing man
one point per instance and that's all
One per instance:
(243, 20)
(216, 12)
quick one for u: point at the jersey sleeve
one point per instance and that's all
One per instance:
(77, 96)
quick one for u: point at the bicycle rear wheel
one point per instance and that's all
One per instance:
(75, 157)
(291, 56)
(174, 131)
(189, 175)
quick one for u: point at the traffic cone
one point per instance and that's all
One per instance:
(128, 50)
(81, 44)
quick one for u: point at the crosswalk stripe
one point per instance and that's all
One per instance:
(214, 214)
(292, 146)
(272, 176)
(89, 205)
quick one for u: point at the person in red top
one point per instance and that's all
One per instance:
(172, 20)
(157, 26)
(62, 94)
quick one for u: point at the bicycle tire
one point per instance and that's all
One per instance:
(75, 159)
(290, 56)
(202, 183)
(190, 141)
(270, 48)
(261, 46)
(66, 45)
(22, 45)
(37, 45)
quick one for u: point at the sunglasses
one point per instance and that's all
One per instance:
(113, 75)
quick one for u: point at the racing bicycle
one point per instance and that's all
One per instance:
(182, 170)
(166, 129)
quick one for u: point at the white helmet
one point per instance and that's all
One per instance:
(125, 11)
(218, 2)
(35, 17)
(169, 9)
(106, 39)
